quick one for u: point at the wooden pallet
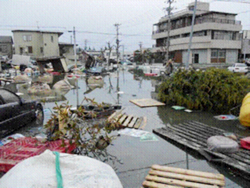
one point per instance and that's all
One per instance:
(194, 135)
(129, 121)
(164, 176)
(147, 102)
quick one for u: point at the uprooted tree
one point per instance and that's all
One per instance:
(214, 89)
(90, 138)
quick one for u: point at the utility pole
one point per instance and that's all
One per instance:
(140, 45)
(74, 36)
(191, 35)
(117, 53)
(168, 9)
(85, 44)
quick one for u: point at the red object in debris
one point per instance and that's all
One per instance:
(55, 73)
(57, 146)
(23, 148)
(151, 74)
(245, 143)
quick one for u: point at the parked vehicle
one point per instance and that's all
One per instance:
(238, 67)
(16, 112)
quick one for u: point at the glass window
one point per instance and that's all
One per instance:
(27, 38)
(52, 39)
(214, 53)
(9, 97)
(41, 49)
(222, 53)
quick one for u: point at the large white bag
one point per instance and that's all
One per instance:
(77, 171)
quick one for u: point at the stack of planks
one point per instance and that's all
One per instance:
(168, 177)
(129, 121)
(194, 135)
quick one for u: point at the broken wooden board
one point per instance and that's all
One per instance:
(164, 176)
(129, 121)
(146, 102)
(194, 135)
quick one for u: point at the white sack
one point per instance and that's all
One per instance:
(77, 171)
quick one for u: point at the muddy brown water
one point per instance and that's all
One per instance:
(132, 158)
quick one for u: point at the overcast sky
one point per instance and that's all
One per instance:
(94, 19)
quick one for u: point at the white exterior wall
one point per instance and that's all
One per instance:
(231, 56)
(202, 55)
(20, 43)
(50, 48)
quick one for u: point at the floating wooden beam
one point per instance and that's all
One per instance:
(131, 124)
(138, 123)
(125, 124)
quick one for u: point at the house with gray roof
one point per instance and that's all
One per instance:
(6, 48)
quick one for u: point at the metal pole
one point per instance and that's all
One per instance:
(191, 35)
(117, 53)
(169, 28)
(77, 97)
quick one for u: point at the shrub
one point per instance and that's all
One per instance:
(214, 89)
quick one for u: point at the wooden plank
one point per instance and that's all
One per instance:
(117, 118)
(146, 102)
(138, 123)
(179, 182)
(131, 124)
(144, 122)
(238, 161)
(125, 124)
(123, 118)
(187, 177)
(114, 115)
(189, 172)
(158, 185)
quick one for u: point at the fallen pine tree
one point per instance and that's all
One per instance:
(214, 89)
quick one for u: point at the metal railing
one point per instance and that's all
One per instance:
(200, 21)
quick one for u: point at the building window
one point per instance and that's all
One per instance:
(52, 39)
(107, 54)
(214, 53)
(27, 38)
(41, 49)
(222, 53)
(114, 54)
(248, 42)
(30, 51)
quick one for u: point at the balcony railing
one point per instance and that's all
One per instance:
(200, 21)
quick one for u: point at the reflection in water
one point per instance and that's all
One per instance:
(93, 82)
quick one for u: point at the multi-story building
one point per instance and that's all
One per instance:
(6, 43)
(245, 48)
(216, 37)
(36, 44)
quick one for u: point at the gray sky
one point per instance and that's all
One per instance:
(94, 19)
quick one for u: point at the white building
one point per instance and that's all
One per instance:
(216, 37)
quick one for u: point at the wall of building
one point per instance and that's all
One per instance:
(6, 49)
(19, 42)
(51, 48)
(231, 56)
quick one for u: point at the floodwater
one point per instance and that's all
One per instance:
(132, 158)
